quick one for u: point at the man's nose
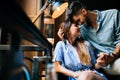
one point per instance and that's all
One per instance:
(79, 26)
(78, 21)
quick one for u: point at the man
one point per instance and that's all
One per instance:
(101, 29)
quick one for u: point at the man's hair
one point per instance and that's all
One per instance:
(74, 9)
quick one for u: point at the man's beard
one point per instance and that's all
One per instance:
(88, 23)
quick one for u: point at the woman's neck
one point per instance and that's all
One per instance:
(71, 40)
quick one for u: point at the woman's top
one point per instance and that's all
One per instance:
(66, 54)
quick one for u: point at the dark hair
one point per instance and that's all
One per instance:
(74, 9)
(66, 27)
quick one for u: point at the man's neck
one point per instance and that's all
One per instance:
(93, 19)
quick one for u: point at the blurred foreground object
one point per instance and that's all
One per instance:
(13, 20)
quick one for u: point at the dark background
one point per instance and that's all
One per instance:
(100, 4)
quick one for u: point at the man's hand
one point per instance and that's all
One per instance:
(60, 33)
(104, 59)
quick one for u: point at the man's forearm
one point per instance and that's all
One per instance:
(117, 51)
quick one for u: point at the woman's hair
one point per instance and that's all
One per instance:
(79, 44)
(83, 52)
(65, 26)
(74, 9)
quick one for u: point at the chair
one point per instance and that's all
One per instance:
(36, 60)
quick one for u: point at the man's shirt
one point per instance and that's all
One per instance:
(107, 36)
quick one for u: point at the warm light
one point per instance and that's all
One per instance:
(59, 9)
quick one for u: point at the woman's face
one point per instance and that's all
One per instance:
(74, 30)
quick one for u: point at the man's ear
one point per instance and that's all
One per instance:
(84, 11)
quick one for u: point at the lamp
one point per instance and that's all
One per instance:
(57, 8)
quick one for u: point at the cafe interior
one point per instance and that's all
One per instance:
(28, 36)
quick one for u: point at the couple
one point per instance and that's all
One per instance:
(101, 29)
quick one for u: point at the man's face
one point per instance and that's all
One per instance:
(79, 19)
(82, 18)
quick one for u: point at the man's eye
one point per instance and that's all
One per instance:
(77, 21)
(76, 25)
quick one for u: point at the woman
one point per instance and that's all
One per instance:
(74, 57)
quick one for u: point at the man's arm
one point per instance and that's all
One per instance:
(116, 52)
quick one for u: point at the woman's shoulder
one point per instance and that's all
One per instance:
(63, 42)
(60, 44)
